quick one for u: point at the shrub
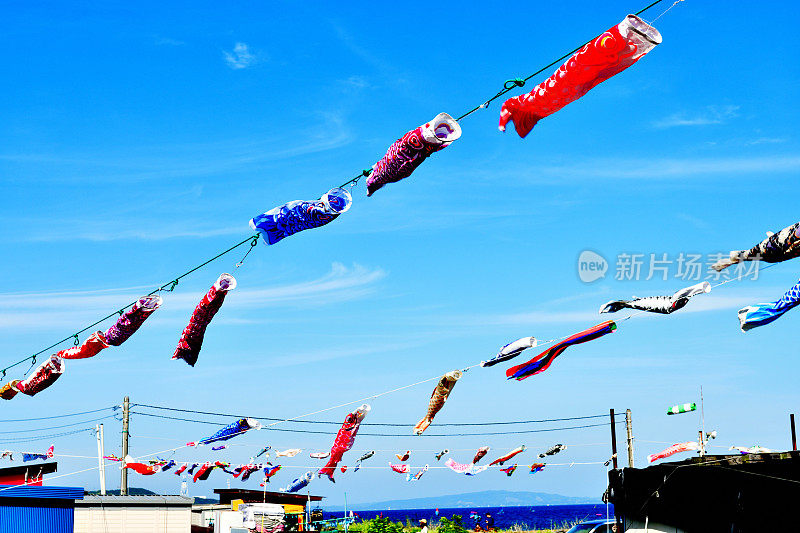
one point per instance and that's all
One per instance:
(453, 525)
(382, 525)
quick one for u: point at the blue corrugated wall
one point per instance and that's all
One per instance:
(36, 516)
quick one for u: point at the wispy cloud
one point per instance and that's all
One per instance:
(75, 309)
(167, 41)
(627, 168)
(766, 140)
(241, 57)
(709, 115)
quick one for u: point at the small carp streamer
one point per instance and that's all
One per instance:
(319, 455)
(682, 408)
(269, 471)
(757, 315)
(233, 429)
(400, 469)
(344, 440)
(409, 151)
(90, 347)
(403, 456)
(246, 470)
(537, 467)
(192, 338)
(438, 397)
(362, 459)
(181, 469)
(36, 456)
(168, 465)
(45, 375)
(552, 450)
(441, 454)
(9, 390)
(291, 452)
(299, 483)
(777, 247)
(542, 362)
(132, 320)
(509, 470)
(511, 350)
(140, 468)
(418, 475)
(659, 304)
(744, 450)
(480, 454)
(466, 469)
(672, 450)
(264, 450)
(607, 55)
(503, 458)
(206, 468)
(298, 215)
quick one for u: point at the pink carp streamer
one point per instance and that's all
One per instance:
(400, 469)
(607, 55)
(90, 347)
(438, 397)
(45, 375)
(344, 440)
(132, 320)
(192, 338)
(672, 450)
(409, 151)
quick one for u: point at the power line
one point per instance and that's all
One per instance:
(253, 240)
(339, 423)
(46, 437)
(544, 430)
(57, 427)
(114, 407)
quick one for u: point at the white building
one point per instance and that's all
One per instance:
(133, 514)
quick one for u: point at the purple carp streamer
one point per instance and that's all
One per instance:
(511, 350)
(192, 338)
(757, 315)
(659, 304)
(409, 151)
(777, 247)
(344, 440)
(298, 215)
(132, 320)
(438, 397)
(45, 375)
(542, 362)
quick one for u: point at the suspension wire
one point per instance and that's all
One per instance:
(45, 437)
(339, 423)
(58, 427)
(172, 284)
(114, 407)
(544, 430)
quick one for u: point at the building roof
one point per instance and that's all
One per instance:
(254, 496)
(39, 491)
(135, 501)
(712, 493)
(32, 470)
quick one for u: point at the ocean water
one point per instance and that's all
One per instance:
(529, 517)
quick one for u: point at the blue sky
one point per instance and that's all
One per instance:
(137, 141)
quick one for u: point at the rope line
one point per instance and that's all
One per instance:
(115, 407)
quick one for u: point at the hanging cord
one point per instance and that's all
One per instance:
(170, 286)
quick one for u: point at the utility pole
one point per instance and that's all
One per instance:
(617, 520)
(123, 486)
(101, 451)
(794, 435)
(629, 430)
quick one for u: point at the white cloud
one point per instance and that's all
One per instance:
(709, 115)
(241, 57)
(76, 309)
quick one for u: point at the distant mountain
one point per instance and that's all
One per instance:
(133, 491)
(487, 498)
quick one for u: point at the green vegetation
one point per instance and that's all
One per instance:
(444, 525)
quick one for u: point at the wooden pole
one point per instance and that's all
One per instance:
(629, 430)
(126, 405)
(617, 518)
(794, 435)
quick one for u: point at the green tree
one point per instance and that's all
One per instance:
(383, 525)
(453, 525)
